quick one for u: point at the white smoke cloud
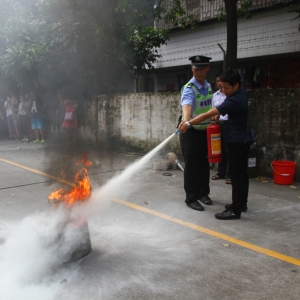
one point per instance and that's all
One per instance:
(35, 249)
(32, 255)
(123, 184)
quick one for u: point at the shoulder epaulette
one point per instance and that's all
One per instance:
(189, 85)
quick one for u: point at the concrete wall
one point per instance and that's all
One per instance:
(274, 114)
(133, 122)
(139, 122)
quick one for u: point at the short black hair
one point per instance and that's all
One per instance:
(218, 74)
(231, 76)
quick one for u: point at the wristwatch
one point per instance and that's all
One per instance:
(188, 124)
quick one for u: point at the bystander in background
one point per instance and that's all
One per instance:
(23, 116)
(15, 108)
(70, 121)
(9, 117)
(37, 108)
(3, 122)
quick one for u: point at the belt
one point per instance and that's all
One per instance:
(223, 121)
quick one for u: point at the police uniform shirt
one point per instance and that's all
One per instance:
(188, 94)
(218, 99)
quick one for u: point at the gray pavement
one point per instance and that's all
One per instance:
(159, 253)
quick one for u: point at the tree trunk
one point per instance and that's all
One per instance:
(136, 82)
(231, 52)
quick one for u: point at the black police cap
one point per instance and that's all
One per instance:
(199, 61)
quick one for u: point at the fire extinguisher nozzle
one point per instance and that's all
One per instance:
(177, 131)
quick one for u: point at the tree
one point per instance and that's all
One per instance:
(142, 53)
(127, 41)
(31, 43)
(233, 9)
(174, 11)
(294, 8)
(180, 17)
(17, 53)
(59, 42)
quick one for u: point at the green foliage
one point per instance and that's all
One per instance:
(175, 13)
(178, 16)
(142, 47)
(243, 8)
(19, 51)
(296, 9)
(58, 41)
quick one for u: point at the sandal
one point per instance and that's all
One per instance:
(228, 181)
(216, 177)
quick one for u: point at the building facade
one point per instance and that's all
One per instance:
(268, 47)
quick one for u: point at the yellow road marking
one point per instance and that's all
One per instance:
(274, 254)
(216, 234)
(37, 172)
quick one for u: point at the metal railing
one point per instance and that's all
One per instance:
(204, 10)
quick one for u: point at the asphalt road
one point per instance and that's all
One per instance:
(146, 243)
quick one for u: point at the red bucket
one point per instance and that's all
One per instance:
(284, 171)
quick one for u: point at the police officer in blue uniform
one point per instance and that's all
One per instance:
(196, 98)
(239, 140)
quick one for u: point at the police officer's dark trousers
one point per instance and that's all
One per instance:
(238, 160)
(196, 172)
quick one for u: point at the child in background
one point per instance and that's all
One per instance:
(8, 106)
(15, 105)
(37, 106)
(70, 121)
(23, 116)
(3, 122)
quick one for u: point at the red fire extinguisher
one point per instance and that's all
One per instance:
(214, 143)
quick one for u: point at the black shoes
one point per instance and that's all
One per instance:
(227, 214)
(195, 205)
(244, 207)
(206, 200)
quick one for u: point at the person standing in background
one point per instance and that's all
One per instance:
(15, 104)
(70, 121)
(29, 128)
(3, 122)
(61, 109)
(9, 117)
(36, 108)
(2, 133)
(223, 166)
(196, 99)
(23, 118)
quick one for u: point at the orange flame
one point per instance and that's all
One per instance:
(79, 192)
